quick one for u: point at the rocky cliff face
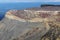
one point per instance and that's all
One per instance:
(13, 25)
(27, 24)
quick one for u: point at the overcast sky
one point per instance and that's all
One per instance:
(5, 1)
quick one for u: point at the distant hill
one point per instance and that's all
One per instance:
(45, 5)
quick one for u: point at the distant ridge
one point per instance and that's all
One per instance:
(45, 5)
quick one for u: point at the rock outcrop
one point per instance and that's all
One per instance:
(28, 24)
(13, 26)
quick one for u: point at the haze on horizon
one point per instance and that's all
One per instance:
(7, 1)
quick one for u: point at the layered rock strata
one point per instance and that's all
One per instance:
(30, 24)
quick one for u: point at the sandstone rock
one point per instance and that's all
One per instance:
(27, 24)
(13, 26)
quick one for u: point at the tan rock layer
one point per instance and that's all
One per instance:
(37, 16)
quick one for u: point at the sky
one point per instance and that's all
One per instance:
(5, 1)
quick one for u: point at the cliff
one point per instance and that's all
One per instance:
(13, 26)
(29, 24)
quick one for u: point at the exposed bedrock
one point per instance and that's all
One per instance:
(13, 26)
(27, 24)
